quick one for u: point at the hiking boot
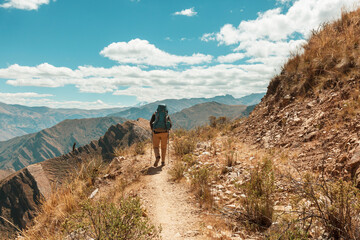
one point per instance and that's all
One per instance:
(162, 164)
(156, 161)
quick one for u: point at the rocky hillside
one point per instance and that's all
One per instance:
(177, 105)
(22, 192)
(20, 152)
(312, 107)
(18, 120)
(199, 114)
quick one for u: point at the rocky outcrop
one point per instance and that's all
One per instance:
(21, 193)
(312, 108)
(19, 199)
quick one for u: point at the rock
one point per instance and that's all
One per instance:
(354, 162)
(177, 235)
(309, 136)
(206, 154)
(92, 195)
(209, 227)
(232, 206)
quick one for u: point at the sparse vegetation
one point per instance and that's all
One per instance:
(103, 220)
(177, 170)
(139, 148)
(332, 204)
(258, 203)
(183, 142)
(69, 213)
(200, 179)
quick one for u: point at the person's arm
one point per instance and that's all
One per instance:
(169, 121)
(152, 120)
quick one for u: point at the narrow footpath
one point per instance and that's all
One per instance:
(169, 205)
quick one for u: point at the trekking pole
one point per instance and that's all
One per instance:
(152, 146)
(168, 147)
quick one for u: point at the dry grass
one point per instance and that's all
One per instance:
(331, 53)
(64, 202)
(59, 215)
(259, 190)
(200, 183)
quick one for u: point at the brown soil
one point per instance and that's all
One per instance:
(170, 206)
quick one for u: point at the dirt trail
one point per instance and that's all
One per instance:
(170, 206)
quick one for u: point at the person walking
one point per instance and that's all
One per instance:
(160, 124)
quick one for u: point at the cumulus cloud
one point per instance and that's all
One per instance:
(208, 37)
(196, 81)
(272, 34)
(24, 4)
(301, 17)
(139, 51)
(36, 99)
(190, 12)
(230, 58)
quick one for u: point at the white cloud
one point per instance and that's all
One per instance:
(24, 4)
(196, 81)
(230, 58)
(190, 12)
(208, 37)
(36, 99)
(22, 95)
(139, 51)
(270, 38)
(273, 25)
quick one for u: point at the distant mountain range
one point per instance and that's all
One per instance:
(176, 105)
(18, 120)
(22, 151)
(199, 114)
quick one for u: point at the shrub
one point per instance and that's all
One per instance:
(189, 160)
(177, 171)
(103, 220)
(259, 190)
(230, 161)
(335, 204)
(90, 169)
(139, 148)
(200, 183)
(184, 145)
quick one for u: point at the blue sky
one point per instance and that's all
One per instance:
(96, 54)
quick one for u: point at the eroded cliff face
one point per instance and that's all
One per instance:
(19, 198)
(22, 192)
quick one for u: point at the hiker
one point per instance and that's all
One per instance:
(160, 124)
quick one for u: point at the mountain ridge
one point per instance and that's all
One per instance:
(199, 114)
(17, 120)
(176, 105)
(22, 151)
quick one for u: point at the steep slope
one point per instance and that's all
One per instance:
(176, 105)
(22, 192)
(52, 142)
(199, 114)
(313, 106)
(18, 120)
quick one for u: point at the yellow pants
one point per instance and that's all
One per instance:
(163, 138)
